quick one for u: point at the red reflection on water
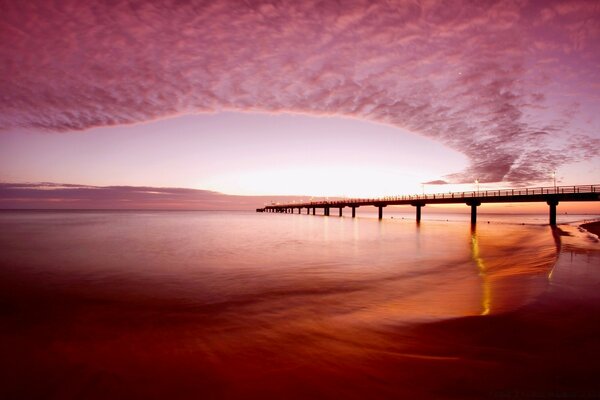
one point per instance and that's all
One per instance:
(293, 326)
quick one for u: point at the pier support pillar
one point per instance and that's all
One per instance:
(353, 212)
(418, 206)
(474, 205)
(326, 211)
(552, 204)
(341, 211)
(314, 210)
(307, 210)
(380, 211)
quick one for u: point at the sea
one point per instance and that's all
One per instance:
(216, 304)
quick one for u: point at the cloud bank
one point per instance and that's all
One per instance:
(508, 83)
(68, 196)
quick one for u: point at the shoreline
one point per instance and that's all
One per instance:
(592, 227)
(553, 336)
(539, 349)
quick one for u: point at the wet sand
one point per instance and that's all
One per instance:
(546, 349)
(76, 345)
(593, 227)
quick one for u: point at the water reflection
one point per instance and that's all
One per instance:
(556, 235)
(259, 304)
(513, 269)
(486, 297)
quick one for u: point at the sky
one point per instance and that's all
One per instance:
(305, 98)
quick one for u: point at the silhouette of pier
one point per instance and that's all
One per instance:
(552, 196)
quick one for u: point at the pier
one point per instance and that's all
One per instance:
(552, 196)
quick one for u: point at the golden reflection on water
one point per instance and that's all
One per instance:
(513, 268)
(255, 305)
(556, 235)
(486, 297)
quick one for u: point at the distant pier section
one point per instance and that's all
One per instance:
(552, 196)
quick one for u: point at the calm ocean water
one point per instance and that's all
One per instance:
(346, 268)
(236, 304)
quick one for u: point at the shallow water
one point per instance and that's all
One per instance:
(234, 304)
(394, 269)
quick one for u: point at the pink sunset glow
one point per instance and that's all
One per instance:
(299, 199)
(507, 90)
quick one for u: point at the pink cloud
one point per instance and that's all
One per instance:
(461, 73)
(69, 196)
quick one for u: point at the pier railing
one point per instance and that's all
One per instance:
(548, 190)
(551, 195)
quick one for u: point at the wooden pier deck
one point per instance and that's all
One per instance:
(550, 195)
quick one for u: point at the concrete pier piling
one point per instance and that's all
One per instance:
(552, 205)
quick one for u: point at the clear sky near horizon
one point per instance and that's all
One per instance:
(359, 99)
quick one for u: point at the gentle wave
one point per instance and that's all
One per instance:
(237, 304)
